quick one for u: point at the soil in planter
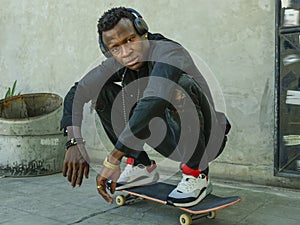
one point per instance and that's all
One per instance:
(14, 108)
(28, 105)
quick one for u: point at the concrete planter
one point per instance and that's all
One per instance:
(31, 143)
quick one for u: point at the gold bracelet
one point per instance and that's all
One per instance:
(110, 165)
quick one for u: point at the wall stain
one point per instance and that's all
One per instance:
(266, 108)
(31, 168)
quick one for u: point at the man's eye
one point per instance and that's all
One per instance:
(131, 39)
(115, 49)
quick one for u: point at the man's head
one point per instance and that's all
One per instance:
(123, 34)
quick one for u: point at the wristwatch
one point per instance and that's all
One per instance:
(74, 141)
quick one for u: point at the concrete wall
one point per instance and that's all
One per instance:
(48, 45)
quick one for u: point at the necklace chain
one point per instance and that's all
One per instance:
(123, 96)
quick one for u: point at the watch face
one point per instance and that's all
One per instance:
(74, 141)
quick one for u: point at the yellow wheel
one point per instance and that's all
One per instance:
(212, 215)
(185, 219)
(120, 200)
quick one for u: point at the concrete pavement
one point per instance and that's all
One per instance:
(50, 200)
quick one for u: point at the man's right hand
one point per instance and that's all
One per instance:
(76, 164)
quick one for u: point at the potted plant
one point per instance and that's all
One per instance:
(31, 142)
(13, 106)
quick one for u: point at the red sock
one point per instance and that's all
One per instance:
(189, 171)
(130, 161)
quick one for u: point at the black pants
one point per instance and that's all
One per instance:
(179, 143)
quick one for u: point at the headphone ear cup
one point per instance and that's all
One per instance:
(140, 25)
(103, 48)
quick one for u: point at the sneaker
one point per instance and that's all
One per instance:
(190, 191)
(139, 175)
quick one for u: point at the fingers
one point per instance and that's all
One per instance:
(80, 174)
(75, 166)
(65, 169)
(74, 174)
(70, 171)
(83, 169)
(113, 186)
(86, 171)
(66, 165)
(102, 191)
(101, 187)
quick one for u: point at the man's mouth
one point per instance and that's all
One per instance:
(133, 61)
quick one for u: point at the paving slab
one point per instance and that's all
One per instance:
(50, 200)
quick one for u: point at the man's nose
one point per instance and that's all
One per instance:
(126, 50)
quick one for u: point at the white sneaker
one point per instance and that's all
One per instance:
(139, 175)
(190, 191)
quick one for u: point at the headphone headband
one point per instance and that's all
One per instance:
(139, 24)
(134, 12)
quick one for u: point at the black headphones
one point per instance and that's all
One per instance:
(139, 24)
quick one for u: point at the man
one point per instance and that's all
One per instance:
(163, 101)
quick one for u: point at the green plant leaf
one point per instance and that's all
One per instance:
(8, 94)
(11, 91)
(13, 88)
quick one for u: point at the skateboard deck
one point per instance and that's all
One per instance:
(158, 193)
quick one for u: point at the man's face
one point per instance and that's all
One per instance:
(126, 45)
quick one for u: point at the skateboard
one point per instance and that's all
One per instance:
(158, 192)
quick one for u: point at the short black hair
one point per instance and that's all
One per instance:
(110, 18)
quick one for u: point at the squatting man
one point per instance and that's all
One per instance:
(147, 90)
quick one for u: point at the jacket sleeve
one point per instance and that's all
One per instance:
(67, 107)
(85, 90)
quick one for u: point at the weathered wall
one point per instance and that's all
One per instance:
(48, 45)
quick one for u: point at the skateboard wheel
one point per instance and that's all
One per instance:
(185, 219)
(212, 215)
(120, 200)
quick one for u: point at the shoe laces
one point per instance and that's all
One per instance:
(187, 183)
(130, 169)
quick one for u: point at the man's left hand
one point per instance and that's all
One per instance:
(101, 181)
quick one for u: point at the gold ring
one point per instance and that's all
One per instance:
(99, 186)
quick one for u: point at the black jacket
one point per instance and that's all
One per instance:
(166, 60)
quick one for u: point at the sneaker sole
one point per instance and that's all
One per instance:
(206, 192)
(144, 182)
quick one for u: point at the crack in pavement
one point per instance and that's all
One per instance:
(92, 215)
